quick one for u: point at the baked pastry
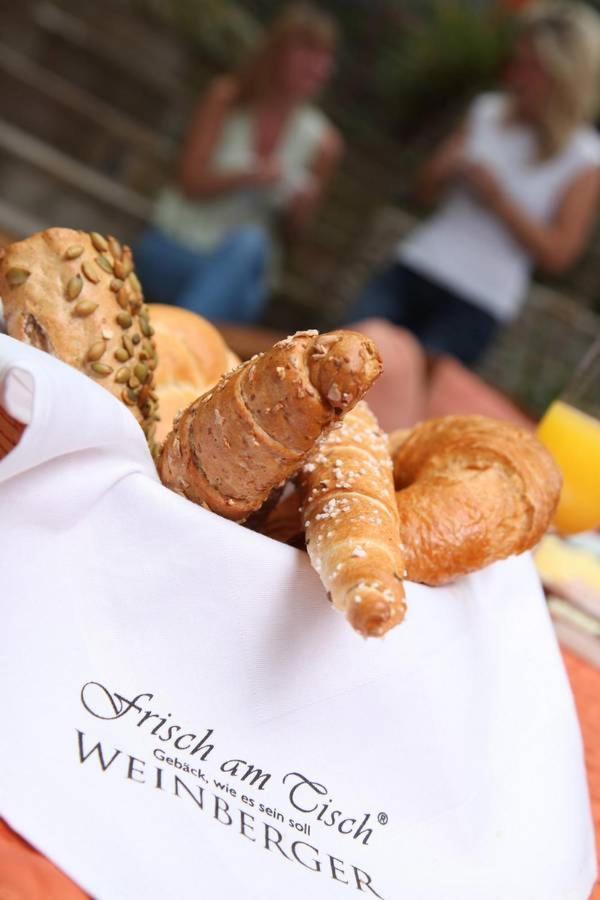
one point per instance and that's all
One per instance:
(75, 295)
(193, 356)
(351, 522)
(471, 490)
(234, 445)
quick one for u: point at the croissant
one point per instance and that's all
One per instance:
(233, 445)
(351, 521)
(471, 490)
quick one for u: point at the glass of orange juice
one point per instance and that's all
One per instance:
(570, 430)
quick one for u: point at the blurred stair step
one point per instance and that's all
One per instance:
(65, 117)
(16, 142)
(15, 223)
(135, 67)
(63, 93)
(40, 201)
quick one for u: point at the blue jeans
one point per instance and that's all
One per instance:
(227, 284)
(441, 320)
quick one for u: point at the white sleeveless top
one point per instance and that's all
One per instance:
(202, 224)
(464, 246)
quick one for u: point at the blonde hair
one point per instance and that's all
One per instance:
(299, 23)
(566, 40)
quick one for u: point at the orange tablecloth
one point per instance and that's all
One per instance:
(585, 680)
(26, 874)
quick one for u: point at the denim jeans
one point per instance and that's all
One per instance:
(227, 284)
(441, 320)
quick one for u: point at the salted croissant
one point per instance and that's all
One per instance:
(232, 446)
(351, 521)
(471, 490)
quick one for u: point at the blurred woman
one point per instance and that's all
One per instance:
(519, 183)
(257, 158)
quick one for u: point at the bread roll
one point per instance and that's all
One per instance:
(75, 295)
(193, 356)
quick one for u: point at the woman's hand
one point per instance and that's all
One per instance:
(554, 245)
(266, 173)
(305, 201)
(442, 168)
(484, 184)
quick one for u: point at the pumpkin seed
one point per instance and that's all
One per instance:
(74, 286)
(104, 263)
(135, 338)
(123, 298)
(74, 251)
(145, 326)
(134, 281)
(17, 276)
(124, 320)
(96, 351)
(128, 397)
(134, 382)
(89, 272)
(84, 308)
(98, 241)
(121, 354)
(122, 375)
(114, 247)
(101, 369)
(116, 285)
(128, 344)
(141, 372)
(123, 267)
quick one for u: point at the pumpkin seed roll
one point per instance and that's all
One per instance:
(75, 295)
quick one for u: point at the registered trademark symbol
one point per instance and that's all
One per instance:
(382, 818)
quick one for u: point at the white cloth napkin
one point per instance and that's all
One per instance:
(148, 645)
